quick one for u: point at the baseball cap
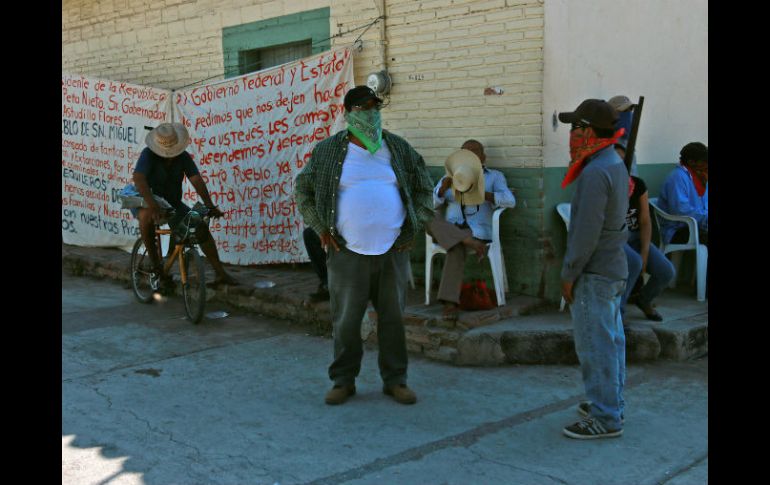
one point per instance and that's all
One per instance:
(595, 112)
(359, 95)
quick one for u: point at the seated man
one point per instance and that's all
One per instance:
(467, 224)
(686, 193)
(160, 171)
(641, 254)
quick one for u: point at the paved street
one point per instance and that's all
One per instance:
(149, 398)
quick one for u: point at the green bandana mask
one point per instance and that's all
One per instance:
(367, 127)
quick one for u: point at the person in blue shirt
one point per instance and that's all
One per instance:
(686, 193)
(466, 228)
(160, 171)
(595, 269)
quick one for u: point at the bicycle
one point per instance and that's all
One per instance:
(145, 280)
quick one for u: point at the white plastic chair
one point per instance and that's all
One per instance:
(565, 210)
(495, 255)
(701, 251)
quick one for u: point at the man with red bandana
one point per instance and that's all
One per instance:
(594, 272)
(685, 193)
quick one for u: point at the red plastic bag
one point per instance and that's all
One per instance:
(476, 296)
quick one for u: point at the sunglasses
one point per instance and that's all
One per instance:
(581, 125)
(365, 107)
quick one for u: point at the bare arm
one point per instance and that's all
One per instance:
(203, 192)
(140, 182)
(200, 187)
(446, 182)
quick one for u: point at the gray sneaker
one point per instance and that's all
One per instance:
(590, 429)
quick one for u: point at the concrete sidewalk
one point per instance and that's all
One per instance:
(150, 399)
(526, 330)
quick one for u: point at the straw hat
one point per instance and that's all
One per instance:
(467, 177)
(168, 139)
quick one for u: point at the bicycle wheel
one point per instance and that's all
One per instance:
(143, 281)
(194, 290)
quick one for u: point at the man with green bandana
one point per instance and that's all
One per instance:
(367, 194)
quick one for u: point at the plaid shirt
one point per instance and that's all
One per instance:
(318, 185)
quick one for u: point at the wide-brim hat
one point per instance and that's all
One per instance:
(467, 177)
(168, 139)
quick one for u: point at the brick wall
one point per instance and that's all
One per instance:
(441, 54)
(161, 43)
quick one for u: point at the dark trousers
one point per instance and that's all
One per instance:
(316, 253)
(354, 280)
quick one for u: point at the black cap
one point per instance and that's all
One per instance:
(595, 112)
(696, 151)
(359, 95)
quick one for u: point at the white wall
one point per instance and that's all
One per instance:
(654, 48)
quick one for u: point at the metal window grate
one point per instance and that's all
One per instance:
(259, 59)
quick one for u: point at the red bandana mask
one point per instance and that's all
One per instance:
(700, 188)
(581, 147)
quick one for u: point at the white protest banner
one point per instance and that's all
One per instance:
(251, 136)
(103, 131)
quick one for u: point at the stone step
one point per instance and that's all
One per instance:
(526, 330)
(548, 339)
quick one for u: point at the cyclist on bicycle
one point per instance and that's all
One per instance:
(160, 171)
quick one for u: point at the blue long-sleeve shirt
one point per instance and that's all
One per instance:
(679, 197)
(597, 227)
(479, 217)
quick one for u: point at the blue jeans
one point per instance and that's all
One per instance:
(601, 345)
(634, 270)
(659, 267)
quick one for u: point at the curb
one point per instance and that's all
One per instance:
(518, 334)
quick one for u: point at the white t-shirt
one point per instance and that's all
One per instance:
(370, 212)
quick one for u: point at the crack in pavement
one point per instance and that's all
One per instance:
(464, 439)
(514, 467)
(167, 433)
(105, 396)
(163, 359)
(668, 476)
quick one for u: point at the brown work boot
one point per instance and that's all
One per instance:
(400, 393)
(340, 393)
